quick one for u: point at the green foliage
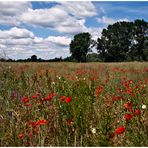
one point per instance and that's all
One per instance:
(33, 58)
(124, 41)
(80, 46)
(98, 94)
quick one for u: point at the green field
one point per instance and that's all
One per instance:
(71, 104)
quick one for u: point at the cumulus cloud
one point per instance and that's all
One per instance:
(79, 9)
(19, 42)
(53, 18)
(10, 11)
(107, 20)
(13, 8)
(65, 17)
(61, 40)
(15, 33)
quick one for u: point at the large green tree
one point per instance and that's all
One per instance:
(124, 41)
(80, 46)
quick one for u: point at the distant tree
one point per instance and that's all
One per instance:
(33, 58)
(93, 57)
(80, 46)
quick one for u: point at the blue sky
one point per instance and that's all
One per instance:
(46, 28)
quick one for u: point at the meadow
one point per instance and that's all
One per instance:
(74, 104)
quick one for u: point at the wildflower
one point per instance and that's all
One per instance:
(63, 98)
(41, 122)
(99, 90)
(34, 96)
(137, 112)
(21, 136)
(143, 106)
(53, 83)
(128, 117)
(25, 99)
(116, 98)
(120, 130)
(49, 97)
(68, 99)
(130, 91)
(93, 130)
(128, 105)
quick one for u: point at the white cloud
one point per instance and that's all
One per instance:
(61, 40)
(54, 18)
(13, 8)
(107, 20)
(22, 43)
(95, 32)
(68, 18)
(79, 9)
(10, 11)
(16, 33)
(65, 17)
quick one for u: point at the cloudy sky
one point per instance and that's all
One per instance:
(46, 28)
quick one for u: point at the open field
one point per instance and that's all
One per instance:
(69, 104)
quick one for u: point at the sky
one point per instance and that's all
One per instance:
(46, 28)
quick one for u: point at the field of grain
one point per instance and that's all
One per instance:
(70, 104)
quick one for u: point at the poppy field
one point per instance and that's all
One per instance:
(71, 104)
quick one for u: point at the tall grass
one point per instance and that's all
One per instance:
(68, 104)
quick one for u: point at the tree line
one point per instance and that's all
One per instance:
(122, 41)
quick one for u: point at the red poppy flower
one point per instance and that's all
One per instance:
(63, 98)
(128, 117)
(34, 96)
(25, 99)
(116, 98)
(130, 91)
(99, 90)
(49, 97)
(120, 130)
(128, 105)
(68, 99)
(21, 136)
(41, 122)
(137, 112)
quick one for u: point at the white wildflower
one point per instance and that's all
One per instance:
(53, 83)
(143, 106)
(93, 130)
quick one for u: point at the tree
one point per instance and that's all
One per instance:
(33, 58)
(140, 38)
(124, 41)
(115, 42)
(80, 46)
